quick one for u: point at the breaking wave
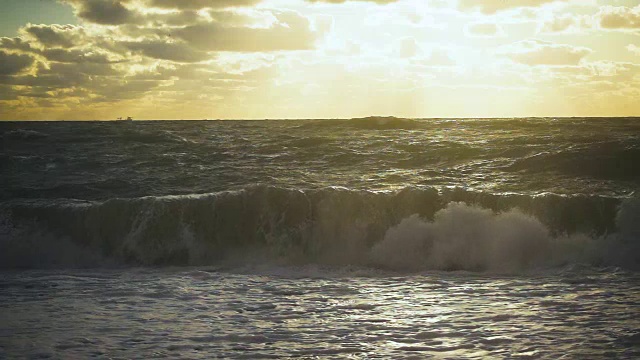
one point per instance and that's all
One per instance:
(408, 230)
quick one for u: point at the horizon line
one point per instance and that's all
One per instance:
(336, 118)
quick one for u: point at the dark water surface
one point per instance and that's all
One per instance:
(103, 160)
(362, 238)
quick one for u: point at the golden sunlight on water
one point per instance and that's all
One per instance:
(312, 311)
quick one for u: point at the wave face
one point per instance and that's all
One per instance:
(407, 230)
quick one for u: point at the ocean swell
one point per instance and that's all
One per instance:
(408, 230)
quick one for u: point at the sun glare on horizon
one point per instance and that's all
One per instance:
(256, 59)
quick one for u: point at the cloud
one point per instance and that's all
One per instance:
(242, 58)
(96, 81)
(172, 51)
(581, 76)
(83, 48)
(408, 47)
(11, 63)
(483, 30)
(619, 17)
(64, 36)
(291, 32)
(537, 52)
(200, 4)
(614, 18)
(438, 58)
(493, 6)
(103, 12)
(126, 51)
(343, 1)
(565, 23)
(98, 56)
(16, 43)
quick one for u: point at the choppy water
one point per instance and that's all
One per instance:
(312, 312)
(359, 238)
(97, 161)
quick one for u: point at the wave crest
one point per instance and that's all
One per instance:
(412, 229)
(463, 237)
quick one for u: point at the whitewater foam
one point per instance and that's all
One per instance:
(463, 237)
(411, 230)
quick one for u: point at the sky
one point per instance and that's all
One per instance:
(258, 59)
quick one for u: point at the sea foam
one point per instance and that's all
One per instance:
(409, 230)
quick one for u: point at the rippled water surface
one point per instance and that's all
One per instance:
(312, 312)
(365, 238)
(102, 160)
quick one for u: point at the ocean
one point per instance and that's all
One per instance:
(357, 238)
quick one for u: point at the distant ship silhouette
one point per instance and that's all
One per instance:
(129, 118)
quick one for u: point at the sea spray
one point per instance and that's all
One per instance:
(463, 237)
(410, 229)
